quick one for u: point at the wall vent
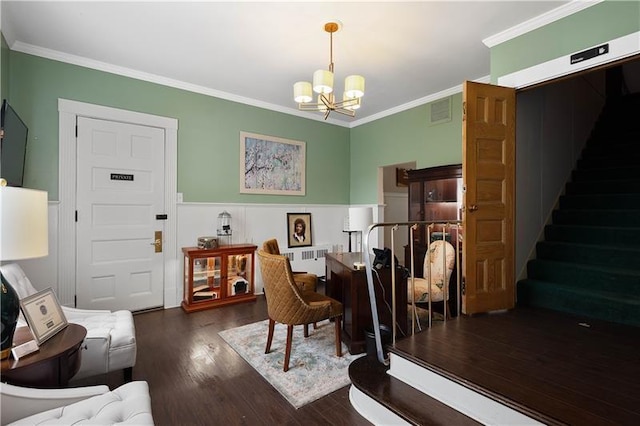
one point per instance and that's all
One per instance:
(440, 111)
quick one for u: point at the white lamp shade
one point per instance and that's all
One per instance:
(354, 86)
(360, 218)
(302, 92)
(350, 103)
(323, 81)
(24, 230)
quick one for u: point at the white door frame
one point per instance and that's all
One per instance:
(68, 111)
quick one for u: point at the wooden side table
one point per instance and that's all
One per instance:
(57, 360)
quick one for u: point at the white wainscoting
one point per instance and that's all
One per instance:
(250, 223)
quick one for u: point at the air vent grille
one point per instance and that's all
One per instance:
(440, 111)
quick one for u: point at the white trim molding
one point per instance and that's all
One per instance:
(68, 112)
(540, 21)
(619, 48)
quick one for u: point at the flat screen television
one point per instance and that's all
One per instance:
(13, 148)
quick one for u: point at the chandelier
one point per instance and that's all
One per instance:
(323, 86)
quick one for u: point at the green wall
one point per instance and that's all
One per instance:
(208, 134)
(4, 69)
(400, 138)
(599, 23)
(342, 164)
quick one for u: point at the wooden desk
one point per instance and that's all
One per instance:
(57, 360)
(349, 286)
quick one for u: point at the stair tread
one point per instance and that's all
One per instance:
(618, 297)
(591, 267)
(371, 378)
(587, 245)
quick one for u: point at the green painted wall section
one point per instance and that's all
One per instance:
(599, 23)
(208, 134)
(4, 69)
(399, 138)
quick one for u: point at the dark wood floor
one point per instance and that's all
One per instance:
(195, 378)
(567, 370)
(557, 368)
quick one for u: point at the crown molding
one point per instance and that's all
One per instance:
(153, 78)
(540, 21)
(421, 101)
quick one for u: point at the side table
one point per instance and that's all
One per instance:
(52, 366)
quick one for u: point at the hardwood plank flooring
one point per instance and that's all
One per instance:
(557, 368)
(195, 378)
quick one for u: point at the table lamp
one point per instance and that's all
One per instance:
(23, 235)
(359, 220)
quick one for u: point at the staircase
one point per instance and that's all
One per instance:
(589, 261)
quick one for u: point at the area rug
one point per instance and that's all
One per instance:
(314, 368)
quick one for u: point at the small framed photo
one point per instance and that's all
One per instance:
(43, 314)
(299, 229)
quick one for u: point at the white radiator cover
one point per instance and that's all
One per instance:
(307, 259)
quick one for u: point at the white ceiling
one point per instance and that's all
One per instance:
(253, 52)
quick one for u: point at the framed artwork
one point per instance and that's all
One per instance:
(299, 229)
(43, 314)
(271, 165)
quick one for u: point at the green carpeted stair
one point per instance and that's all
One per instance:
(589, 261)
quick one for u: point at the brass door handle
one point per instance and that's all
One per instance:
(473, 208)
(158, 241)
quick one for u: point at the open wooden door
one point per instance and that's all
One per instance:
(488, 172)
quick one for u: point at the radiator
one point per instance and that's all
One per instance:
(307, 259)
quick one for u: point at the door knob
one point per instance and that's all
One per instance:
(473, 207)
(158, 241)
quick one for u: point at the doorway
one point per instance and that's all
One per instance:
(70, 112)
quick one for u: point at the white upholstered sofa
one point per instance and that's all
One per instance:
(110, 343)
(128, 404)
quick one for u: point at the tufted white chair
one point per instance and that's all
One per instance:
(128, 404)
(110, 343)
(440, 260)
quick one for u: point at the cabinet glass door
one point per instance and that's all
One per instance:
(239, 268)
(207, 278)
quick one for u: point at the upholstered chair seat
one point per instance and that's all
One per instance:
(110, 344)
(304, 280)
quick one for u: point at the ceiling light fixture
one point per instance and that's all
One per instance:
(323, 86)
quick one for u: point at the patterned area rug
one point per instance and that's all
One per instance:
(314, 368)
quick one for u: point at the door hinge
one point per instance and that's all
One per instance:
(76, 130)
(75, 301)
(76, 215)
(464, 111)
(463, 287)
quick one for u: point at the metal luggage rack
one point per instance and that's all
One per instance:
(413, 226)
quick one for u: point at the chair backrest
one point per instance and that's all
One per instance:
(441, 255)
(284, 300)
(17, 279)
(271, 246)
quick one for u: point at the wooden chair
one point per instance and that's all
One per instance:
(304, 280)
(288, 304)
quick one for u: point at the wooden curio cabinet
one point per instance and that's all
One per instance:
(218, 277)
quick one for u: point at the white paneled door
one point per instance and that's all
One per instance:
(120, 208)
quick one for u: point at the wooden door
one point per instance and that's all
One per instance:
(120, 190)
(488, 172)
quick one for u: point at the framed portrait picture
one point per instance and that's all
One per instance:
(271, 165)
(299, 229)
(43, 314)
